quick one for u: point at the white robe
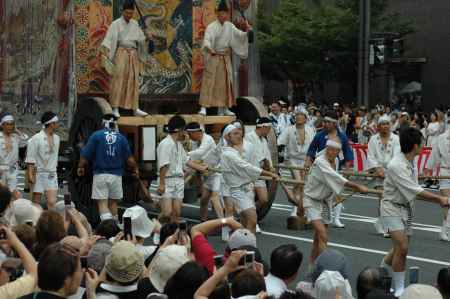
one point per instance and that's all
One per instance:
(122, 33)
(236, 171)
(220, 38)
(295, 152)
(260, 147)
(200, 150)
(440, 154)
(379, 155)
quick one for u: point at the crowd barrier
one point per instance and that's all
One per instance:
(360, 159)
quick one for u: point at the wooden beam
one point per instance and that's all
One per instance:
(163, 119)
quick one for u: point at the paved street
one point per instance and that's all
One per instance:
(357, 241)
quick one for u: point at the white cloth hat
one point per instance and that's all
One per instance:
(167, 261)
(421, 291)
(141, 225)
(327, 283)
(241, 237)
(25, 211)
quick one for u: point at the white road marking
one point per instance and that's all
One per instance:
(380, 252)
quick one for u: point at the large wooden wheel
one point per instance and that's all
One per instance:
(248, 110)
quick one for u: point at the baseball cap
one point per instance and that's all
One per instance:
(327, 283)
(241, 237)
(124, 264)
(166, 262)
(25, 211)
(141, 225)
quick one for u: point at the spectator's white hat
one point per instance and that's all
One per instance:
(241, 237)
(166, 262)
(25, 211)
(141, 225)
(327, 284)
(421, 291)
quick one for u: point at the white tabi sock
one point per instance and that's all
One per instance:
(399, 282)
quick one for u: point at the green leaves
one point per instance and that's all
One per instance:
(318, 41)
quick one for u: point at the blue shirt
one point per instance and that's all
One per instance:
(108, 151)
(320, 141)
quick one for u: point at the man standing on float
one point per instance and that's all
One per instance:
(221, 37)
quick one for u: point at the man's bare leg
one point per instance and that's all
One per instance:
(320, 239)
(176, 210)
(51, 197)
(204, 201)
(248, 219)
(400, 241)
(263, 197)
(103, 209)
(215, 200)
(166, 208)
(113, 208)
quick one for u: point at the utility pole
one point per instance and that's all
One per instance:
(363, 53)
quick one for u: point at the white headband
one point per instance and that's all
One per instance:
(334, 144)
(302, 110)
(384, 119)
(237, 125)
(327, 118)
(7, 118)
(264, 125)
(228, 129)
(54, 119)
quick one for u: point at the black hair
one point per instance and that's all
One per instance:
(222, 291)
(107, 228)
(295, 295)
(285, 261)
(443, 282)
(166, 231)
(331, 114)
(368, 279)
(128, 4)
(223, 6)
(5, 198)
(248, 282)
(379, 294)
(185, 282)
(56, 264)
(46, 116)
(176, 123)
(408, 138)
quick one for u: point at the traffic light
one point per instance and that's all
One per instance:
(377, 52)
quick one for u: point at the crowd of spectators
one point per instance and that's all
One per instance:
(360, 122)
(56, 254)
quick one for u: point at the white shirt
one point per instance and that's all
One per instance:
(400, 187)
(378, 154)
(275, 286)
(236, 171)
(220, 37)
(260, 147)
(323, 181)
(282, 122)
(290, 138)
(432, 131)
(39, 152)
(440, 154)
(122, 33)
(171, 153)
(10, 158)
(201, 149)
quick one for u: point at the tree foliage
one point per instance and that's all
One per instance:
(318, 42)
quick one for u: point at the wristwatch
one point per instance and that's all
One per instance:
(223, 221)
